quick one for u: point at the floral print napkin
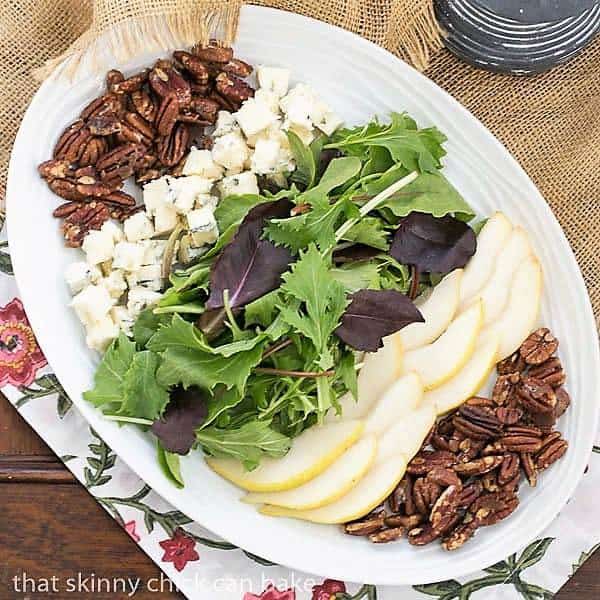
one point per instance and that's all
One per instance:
(202, 566)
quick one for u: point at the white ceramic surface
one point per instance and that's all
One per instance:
(358, 79)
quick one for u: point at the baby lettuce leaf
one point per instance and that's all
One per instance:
(188, 367)
(314, 302)
(186, 411)
(357, 276)
(146, 325)
(306, 169)
(249, 266)
(262, 311)
(415, 149)
(433, 245)
(373, 315)
(110, 375)
(338, 172)
(369, 231)
(143, 396)
(248, 443)
(169, 463)
(232, 210)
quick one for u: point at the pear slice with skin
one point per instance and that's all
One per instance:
(330, 485)
(379, 371)
(438, 310)
(468, 381)
(494, 294)
(439, 361)
(311, 453)
(478, 271)
(406, 436)
(519, 317)
(368, 493)
(401, 399)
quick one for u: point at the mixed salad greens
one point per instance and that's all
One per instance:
(256, 341)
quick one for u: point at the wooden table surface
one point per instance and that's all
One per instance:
(51, 526)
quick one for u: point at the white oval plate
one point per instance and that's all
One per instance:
(359, 80)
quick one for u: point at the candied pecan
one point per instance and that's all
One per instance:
(459, 536)
(55, 169)
(563, 400)
(131, 84)
(469, 494)
(95, 189)
(85, 218)
(536, 396)
(119, 197)
(425, 493)
(492, 449)
(237, 67)
(480, 402)
(529, 468)
(512, 364)
(544, 421)
(103, 125)
(444, 477)
(65, 209)
(171, 149)
(224, 103)
(468, 449)
(538, 347)
(119, 164)
(489, 482)
(439, 442)
(444, 511)
(424, 534)
(144, 104)
(66, 189)
(479, 466)
(114, 76)
(423, 462)
(121, 213)
(193, 65)
(188, 116)
(233, 88)
(550, 372)
(408, 522)
(200, 89)
(166, 80)
(109, 104)
(387, 535)
(213, 52)
(402, 496)
(142, 126)
(167, 115)
(508, 468)
(72, 142)
(93, 149)
(553, 448)
(206, 108)
(505, 388)
(489, 509)
(521, 439)
(509, 416)
(364, 526)
(478, 423)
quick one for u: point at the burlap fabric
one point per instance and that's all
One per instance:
(550, 122)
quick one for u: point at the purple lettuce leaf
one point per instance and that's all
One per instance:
(249, 267)
(373, 315)
(433, 244)
(184, 414)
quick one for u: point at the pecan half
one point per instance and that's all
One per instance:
(83, 219)
(144, 104)
(237, 67)
(444, 511)
(65, 209)
(213, 52)
(387, 535)
(55, 169)
(468, 449)
(509, 416)
(553, 448)
(205, 108)
(402, 496)
(539, 346)
(489, 509)
(120, 198)
(469, 494)
(104, 125)
(509, 468)
(71, 143)
(406, 521)
(109, 104)
(459, 536)
(66, 189)
(425, 493)
(193, 64)
(479, 466)
(505, 388)
(167, 115)
(119, 164)
(166, 80)
(489, 482)
(521, 439)
(114, 76)
(364, 526)
(536, 396)
(171, 149)
(476, 422)
(422, 535)
(131, 84)
(423, 462)
(563, 400)
(93, 149)
(529, 468)
(512, 364)
(234, 89)
(444, 477)
(550, 372)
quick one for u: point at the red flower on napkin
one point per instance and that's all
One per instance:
(20, 355)
(130, 529)
(328, 589)
(272, 593)
(179, 550)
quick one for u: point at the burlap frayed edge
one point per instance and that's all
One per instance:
(134, 36)
(420, 40)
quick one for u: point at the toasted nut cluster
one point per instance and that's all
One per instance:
(467, 473)
(142, 126)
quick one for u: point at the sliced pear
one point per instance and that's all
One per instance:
(311, 453)
(439, 361)
(406, 436)
(379, 371)
(400, 400)
(494, 294)
(468, 381)
(438, 310)
(370, 491)
(330, 485)
(479, 269)
(519, 317)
